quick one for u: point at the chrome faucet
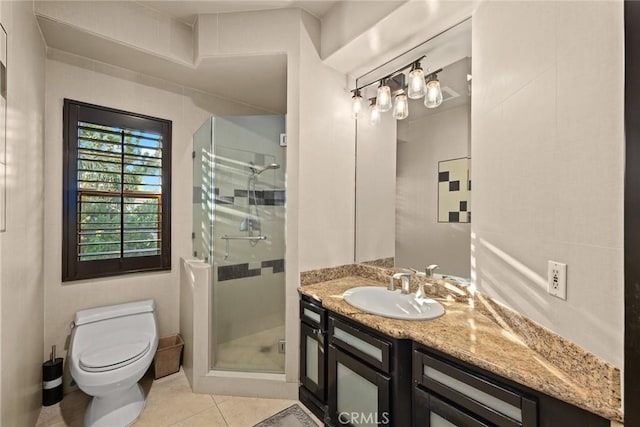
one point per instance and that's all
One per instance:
(430, 269)
(404, 277)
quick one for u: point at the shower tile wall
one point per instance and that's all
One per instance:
(258, 292)
(238, 271)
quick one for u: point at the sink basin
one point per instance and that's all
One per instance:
(451, 278)
(392, 304)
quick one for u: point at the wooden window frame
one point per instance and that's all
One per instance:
(72, 267)
(632, 214)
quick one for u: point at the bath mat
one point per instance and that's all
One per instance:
(293, 416)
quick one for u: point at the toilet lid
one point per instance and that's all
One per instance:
(117, 355)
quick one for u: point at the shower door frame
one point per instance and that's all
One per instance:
(238, 383)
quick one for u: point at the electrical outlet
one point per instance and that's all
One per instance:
(557, 279)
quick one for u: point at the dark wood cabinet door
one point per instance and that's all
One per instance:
(312, 360)
(358, 395)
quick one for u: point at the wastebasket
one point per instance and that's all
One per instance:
(167, 358)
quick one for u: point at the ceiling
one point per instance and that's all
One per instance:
(232, 77)
(186, 10)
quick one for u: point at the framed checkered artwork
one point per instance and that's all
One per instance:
(454, 190)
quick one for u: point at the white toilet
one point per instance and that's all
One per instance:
(111, 349)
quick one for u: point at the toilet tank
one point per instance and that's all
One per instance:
(112, 311)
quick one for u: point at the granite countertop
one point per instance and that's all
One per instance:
(467, 334)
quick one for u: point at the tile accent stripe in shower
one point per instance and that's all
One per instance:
(263, 197)
(239, 271)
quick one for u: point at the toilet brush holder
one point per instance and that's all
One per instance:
(52, 379)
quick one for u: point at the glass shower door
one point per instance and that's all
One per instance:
(240, 231)
(203, 193)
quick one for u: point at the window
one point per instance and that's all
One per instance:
(117, 192)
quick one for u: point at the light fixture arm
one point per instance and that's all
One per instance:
(432, 74)
(393, 74)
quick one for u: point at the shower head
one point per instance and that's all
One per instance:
(257, 171)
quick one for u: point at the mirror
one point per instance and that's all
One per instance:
(413, 186)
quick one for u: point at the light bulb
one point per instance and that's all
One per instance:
(374, 117)
(383, 100)
(417, 87)
(401, 107)
(357, 103)
(433, 98)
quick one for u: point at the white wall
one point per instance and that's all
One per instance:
(327, 159)
(422, 143)
(547, 152)
(320, 203)
(128, 22)
(268, 32)
(363, 46)
(346, 20)
(320, 156)
(376, 182)
(320, 133)
(21, 288)
(78, 78)
(548, 163)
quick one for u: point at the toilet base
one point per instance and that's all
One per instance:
(121, 408)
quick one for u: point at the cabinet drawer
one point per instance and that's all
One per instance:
(430, 411)
(313, 315)
(372, 350)
(499, 405)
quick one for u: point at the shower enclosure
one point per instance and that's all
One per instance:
(239, 230)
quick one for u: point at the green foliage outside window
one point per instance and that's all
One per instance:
(119, 192)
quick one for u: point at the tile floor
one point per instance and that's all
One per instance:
(170, 402)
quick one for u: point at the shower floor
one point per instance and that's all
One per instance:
(255, 353)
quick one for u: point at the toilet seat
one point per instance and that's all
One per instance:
(110, 356)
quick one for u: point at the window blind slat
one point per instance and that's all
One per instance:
(156, 174)
(142, 156)
(98, 155)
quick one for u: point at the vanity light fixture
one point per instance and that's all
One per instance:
(374, 114)
(433, 98)
(401, 106)
(395, 90)
(383, 99)
(357, 103)
(417, 87)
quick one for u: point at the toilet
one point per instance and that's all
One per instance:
(111, 349)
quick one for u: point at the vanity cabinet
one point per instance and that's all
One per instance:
(313, 361)
(369, 376)
(353, 375)
(450, 393)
